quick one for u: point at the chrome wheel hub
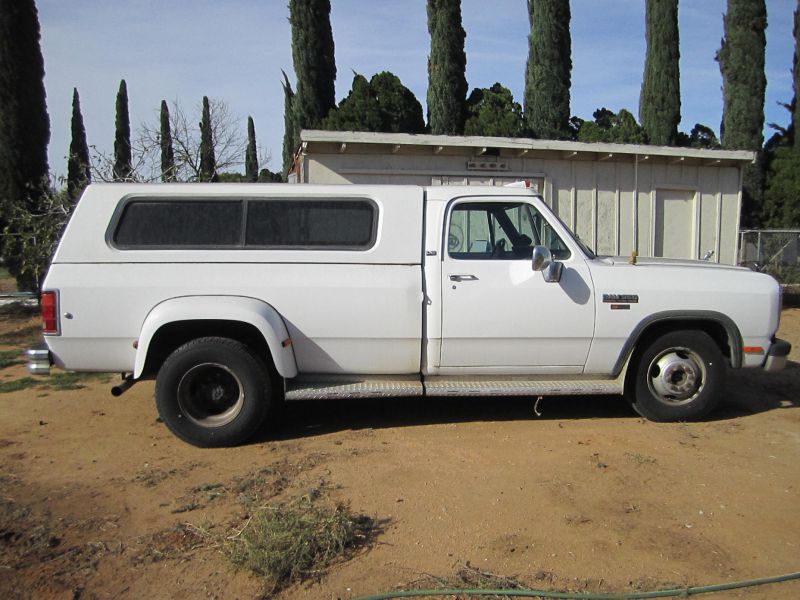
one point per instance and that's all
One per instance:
(676, 376)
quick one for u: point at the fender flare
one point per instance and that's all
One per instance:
(242, 309)
(732, 331)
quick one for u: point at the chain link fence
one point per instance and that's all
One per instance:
(773, 251)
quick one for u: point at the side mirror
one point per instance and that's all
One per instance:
(541, 258)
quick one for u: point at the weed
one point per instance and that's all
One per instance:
(469, 577)
(641, 459)
(10, 358)
(290, 542)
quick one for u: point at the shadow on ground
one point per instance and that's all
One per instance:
(747, 392)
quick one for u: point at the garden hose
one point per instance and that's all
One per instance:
(674, 592)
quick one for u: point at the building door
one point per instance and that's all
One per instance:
(674, 224)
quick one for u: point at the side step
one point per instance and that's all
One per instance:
(340, 387)
(520, 386)
(398, 386)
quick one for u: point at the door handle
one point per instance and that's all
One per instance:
(463, 278)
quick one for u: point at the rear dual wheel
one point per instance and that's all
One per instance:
(213, 392)
(679, 377)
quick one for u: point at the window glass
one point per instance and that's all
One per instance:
(310, 223)
(180, 223)
(500, 231)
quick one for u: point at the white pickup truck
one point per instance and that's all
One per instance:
(237, 297)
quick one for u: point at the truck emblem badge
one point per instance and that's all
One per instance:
(621, 298)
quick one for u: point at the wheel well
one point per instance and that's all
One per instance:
(715, 330)
(172, 336)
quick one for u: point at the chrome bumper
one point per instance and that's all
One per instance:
(777, 356)
(39, 360)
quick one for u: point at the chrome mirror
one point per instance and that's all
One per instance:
(541, 258)
(552, 274)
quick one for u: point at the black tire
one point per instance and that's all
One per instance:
(678, 377)
(213, 392)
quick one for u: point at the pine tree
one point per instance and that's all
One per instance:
(208, 162)
(493, 112)
(447, 64)
(359, 111)
(24, 126)
(78, 166)
(168, 171)
(741, 61)
(251, 154)
(660, 100)
(314, 63)
(289, 127)
(400, 110)
(549, 73)
(122, 138)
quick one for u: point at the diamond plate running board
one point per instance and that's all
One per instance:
(390, 386)
(522, 387)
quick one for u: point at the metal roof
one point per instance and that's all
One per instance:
(399, 143)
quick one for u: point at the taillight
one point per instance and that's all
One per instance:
(50, 312)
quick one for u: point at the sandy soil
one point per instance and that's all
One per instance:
(99, 500)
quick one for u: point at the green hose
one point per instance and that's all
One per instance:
(689, 591)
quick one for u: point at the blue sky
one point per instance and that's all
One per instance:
(235, 50)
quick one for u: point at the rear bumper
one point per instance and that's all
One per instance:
(39, 360)
(777, 355)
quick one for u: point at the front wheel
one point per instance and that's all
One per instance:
(213, 392)
(679, 377)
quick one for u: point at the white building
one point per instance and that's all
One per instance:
(660, 201)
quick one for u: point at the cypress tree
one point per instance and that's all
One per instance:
(660, 100)
(24, 124)
(208, 162)
(78, 171)
(251, 154)
(289, 127)
(122, 138)
(741, 61)
(447, 64)
(313, 58)
(168, 172)
(796, 80)
(549, 73)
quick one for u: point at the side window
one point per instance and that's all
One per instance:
(302, 223)
(346, 224)
(183, 223)
(500, 231)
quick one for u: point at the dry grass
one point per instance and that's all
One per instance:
(290, 542)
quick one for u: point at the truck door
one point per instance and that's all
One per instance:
(499, 313)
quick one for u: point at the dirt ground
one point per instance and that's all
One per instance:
(99, 500)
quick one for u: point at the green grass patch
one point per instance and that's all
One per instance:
(60, 381)
(20, 310)
(290, 542)
(15, 385)
(27, 336)
(9, 358)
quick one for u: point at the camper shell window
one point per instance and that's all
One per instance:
(255, 223)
